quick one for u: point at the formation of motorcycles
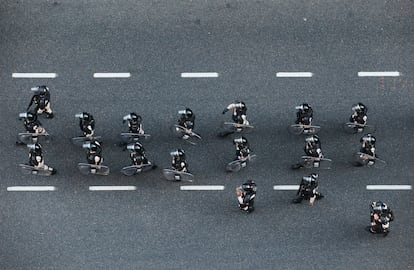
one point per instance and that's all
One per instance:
(132, 140)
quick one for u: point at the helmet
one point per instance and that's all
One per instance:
(368, 138)
(359, 107)
(31, 116)
(178, 153)
(135, 146)
(313, 139)
(92, 145)
(136, 117)
(187, 112)
(249, 186)
(85, 116)
(304, 107)
(377, 206)
(40, 90)
(240, 104)
(314, 175)
(35, 147)
(133, 116)
(240, 140)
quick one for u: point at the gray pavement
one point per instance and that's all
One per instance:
(246, 42)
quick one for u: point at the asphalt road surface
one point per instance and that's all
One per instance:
(156, 225)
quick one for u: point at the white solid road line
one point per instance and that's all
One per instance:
(286, 187)
(389, 187)
(31, 188)
(112, 75)
(294, 74)
(34, 75)
(378, 74)
(112, 188)
(199, 75)
(202, 187)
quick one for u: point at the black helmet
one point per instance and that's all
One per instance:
(187, 112)
(377, 206)
(249, 186)
(35, 147)
(304, 107)
(135, 146)
(178, 153)
(359, 108)
(314, 175)
(40, 90)
(368, 138)
(313, 139)
(30, 116)
(136, 117)
(85, 116)
(93, 146)
(240, 140)
(240, 104)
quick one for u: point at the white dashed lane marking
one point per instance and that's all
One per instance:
(294, 74)
(211, 187)
(389, 187)
(286, 187)
(112, 75)
(112, 188)
(31, 188)
(199, 75)
(378, 74)
(34, 75)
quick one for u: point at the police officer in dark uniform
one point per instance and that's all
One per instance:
(93, 152)
(246, 194)
(368, 147)
(86, 124)
(359, 114)
(134, 123)
(41, 100)
(381, 216)
(31, 124)
(239, 112)
(137, 155)
(179, 162)
(242, 148)
(186, 120)
(36, 158)
(313, 147)
(304, 114)
(308, 189)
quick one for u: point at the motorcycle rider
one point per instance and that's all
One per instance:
(308, 189)
(86, 124)
(381, 216)
(134, 123)
(246, 194)
(36, 158)
(359, 115)
(186, 120)
(242, 148)
(304, 114)
(41, 99)
(239, 112)
(179, 162)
